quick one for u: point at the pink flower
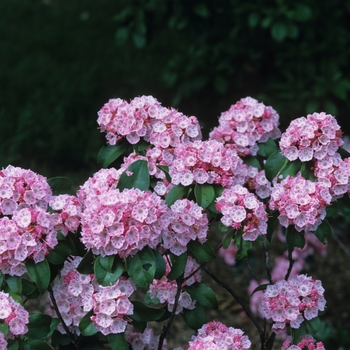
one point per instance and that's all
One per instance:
(246, 123)
(143, 341)
(313, 137)
(242, 210)
(306, 343)
(14, 315)
(289, 302)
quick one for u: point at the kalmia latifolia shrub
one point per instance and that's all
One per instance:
(128, 249)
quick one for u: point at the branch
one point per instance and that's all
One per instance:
(291, 264)
(69, 333)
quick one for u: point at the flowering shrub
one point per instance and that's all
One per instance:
(128, 248)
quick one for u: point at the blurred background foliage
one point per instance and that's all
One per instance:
(60, 61)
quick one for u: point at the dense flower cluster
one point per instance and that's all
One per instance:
(143, 341)
(307, 343)
(217, 336)
(14, 315)
(67, 213)
(313, 137)
(246, 123)
(186, 221)
(73, 294)
(242, 210)
(204, 162)
(110, 306)
(144, 117)
(289, 302)
(115, 222)
(300, 202)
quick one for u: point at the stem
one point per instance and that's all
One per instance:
(166, 329)
(238, 299)
(267, 263)
(291, 263)
(69, 333)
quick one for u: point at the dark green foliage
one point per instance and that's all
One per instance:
(61, 61)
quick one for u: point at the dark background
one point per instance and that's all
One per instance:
(61, 60)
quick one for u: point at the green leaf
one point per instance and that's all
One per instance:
(144, 313)
(252, 161)
(39, 326)
(108, 154)
(324, 231)
(86, 264)
(274, 163)
(294, 239)
(279, 31)
(291, 168)
(201, 10)
(15, 284)
(108, 269)
(299, 333)
(39, 274)
(60, 185)
(313, 326)
(86, 326)
(117, 341)
(261, 287)
(202, 252)
(267, 148)
(243, 248)
(228, 239)
(253, 19)
(62, 250)
(272, 224)
(204, 194)
(175, 193)
(194, 318)
(12, 344)
(142, 267)
(36, 344)
(139, 177)
(160, 266)
(4, 328)
(306, 171)
(178, 264)
(29, 289)
(204, 295)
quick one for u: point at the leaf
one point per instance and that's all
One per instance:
(252, 161)
(117, 341)
(204, 194)
(39, 274)
(243, 249)
(108, 269)
(178, 264)
(139, 177)
(175, 193)
(204, 295)
(39, 326)
(144, 313)
(202, 252)
(36, 344)
(291, 168)
(86, 264)
(279, 31)
(194, 318)
(60, 185)
(108, 154)
(160, 266)
(324, 231)
(62, 250)
(142, 267)
(267, 148)
(274, 163)
(294, 239)
(313, 326)
(299, 333)
(4, 328)
(86, 326)
(29, 289)
(15, 284)
(259, 288)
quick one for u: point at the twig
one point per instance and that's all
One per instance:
(166, 329)
(69, 333)
(267, 262)
(291, 264)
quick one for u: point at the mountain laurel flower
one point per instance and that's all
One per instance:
(310, 138)
(14, 315)
(242, 209)
(290, 302)
(246, 123)
(306, 343)
(143, 341)
(300, 202)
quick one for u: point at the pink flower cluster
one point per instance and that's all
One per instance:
(242, 210)
(73, 294)
(246, 123)
(289, 302)
(185, 221)
(67, 213)
(204, 162)
(144, 117)
(111, 304)
(313, 137)
(76, 294)
(300, 202)
(217, 336)
(143, 341)
(14, 315)
(115, 222)
(307, 343)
